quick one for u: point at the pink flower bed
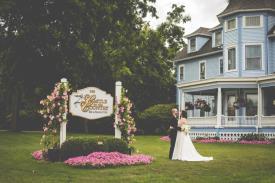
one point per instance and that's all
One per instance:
(37, 155)
(165, 138)
(208, 141)
(107, 159)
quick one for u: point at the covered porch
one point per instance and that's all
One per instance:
(230, 102)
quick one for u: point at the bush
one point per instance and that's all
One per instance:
(155, 119)
(253, 137)
(83, 146)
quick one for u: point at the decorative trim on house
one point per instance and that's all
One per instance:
(246, 10)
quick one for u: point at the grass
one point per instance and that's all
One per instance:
(232, 163)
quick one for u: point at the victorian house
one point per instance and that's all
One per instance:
(226, 74)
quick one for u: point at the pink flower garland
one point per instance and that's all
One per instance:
(108, 159)
(37, 155)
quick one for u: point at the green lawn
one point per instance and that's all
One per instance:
(232, 163)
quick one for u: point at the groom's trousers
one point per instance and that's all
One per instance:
(173, 136)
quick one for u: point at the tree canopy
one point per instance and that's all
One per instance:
(90, 42)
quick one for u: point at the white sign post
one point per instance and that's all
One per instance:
(118, 98)
(63, 124)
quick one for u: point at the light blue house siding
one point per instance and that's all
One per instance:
(191, 68)
(242, 36)
(200, 42)
(272, 56)
(271, 21)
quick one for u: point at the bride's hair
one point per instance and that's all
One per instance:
(183, 114)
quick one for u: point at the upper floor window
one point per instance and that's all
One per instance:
(193, 44)
(181, 72)
(202, 70)
(253, 57)
(252, 21)
(231, 53)
(221, 65)
(218, 38)
(231, 24)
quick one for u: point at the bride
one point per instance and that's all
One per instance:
(184, 148)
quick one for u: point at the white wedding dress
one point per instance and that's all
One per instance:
(184, 149)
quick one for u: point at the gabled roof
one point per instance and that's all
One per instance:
(202, 31)
(236, 6)
(204, 51)
(271, 32)
(216, 28)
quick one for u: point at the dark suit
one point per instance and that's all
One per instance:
(173, 135)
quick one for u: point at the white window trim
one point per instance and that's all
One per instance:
(253, 27)
(244, 55)
(221, 58)
(236, 26)
(180, 80)
(203, 61)
(226, 59)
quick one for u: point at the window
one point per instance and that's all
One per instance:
(231, 24)
(218, 38)
(253, 57)
(252, 21)
(251, 104)
(181, 73)
(193, 44)
(221, 65)
(231, 59)
(202, 70)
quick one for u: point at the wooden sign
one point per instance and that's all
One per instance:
(91, 103)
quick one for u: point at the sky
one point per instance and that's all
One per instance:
(203, 12)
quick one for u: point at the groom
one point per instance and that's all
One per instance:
(173, 123)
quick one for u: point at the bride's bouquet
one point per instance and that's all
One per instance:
(185, 128)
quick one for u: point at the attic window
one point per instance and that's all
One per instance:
(231, 24)
(193, 44)
(252, 21)
(218, 38)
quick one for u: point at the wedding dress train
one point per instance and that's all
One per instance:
(184, 149)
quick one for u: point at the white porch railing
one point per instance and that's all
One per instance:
(267, 121)
(210, 121)
(239, 121)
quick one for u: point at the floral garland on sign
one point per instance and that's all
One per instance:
(126, 122)
(54, 111)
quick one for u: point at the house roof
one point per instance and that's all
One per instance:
(236, 6)
(202, 31)
(204, 51)
(271, 32)
(216, 28)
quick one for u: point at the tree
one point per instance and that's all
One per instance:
(90, 42)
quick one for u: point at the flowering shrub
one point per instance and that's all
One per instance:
(38, 155)
(108, 159)
(54, 110)
(126, 122)
(212, 140)
(165, 138)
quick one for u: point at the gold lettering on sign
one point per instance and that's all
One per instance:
(91, 103)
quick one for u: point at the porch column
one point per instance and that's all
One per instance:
(260, 105)
(219, 108)
(182, 106)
